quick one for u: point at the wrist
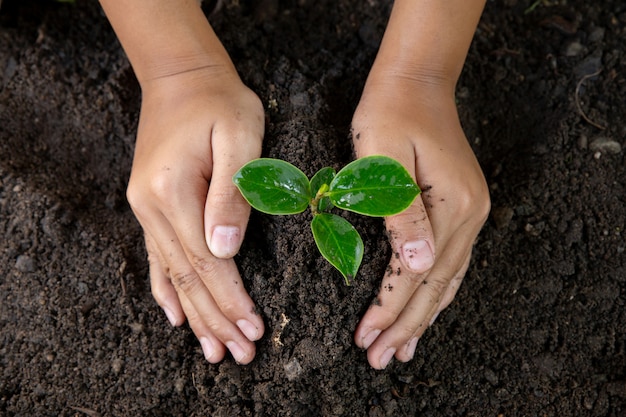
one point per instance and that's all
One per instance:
(410, 90)
(425, 44)
(405, 77)
(164, 38)
(178, 85)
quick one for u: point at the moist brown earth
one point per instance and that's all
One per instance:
(537, 329)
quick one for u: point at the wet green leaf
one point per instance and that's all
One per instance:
(273, 186)
(323, 176)
(339, 243)
(374, 186)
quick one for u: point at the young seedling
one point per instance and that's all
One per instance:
(374, 186)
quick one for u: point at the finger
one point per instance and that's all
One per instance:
(226, 211)
(212, 348)
(411, 238)
(453, 288)
(410, 232)
(162, 289)
(179, 233)
(406, 352)
(396, 289)
(423, 304)
(208, 316)
(205, 279)
(222, 279)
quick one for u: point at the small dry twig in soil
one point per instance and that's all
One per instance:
(577, 98)
(87, 411)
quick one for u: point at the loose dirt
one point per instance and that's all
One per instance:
(537, 329)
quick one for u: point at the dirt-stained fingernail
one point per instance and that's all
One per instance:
(248, 329)
(418, 255)
(369, 338)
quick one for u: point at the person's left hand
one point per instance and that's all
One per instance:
(432, 240)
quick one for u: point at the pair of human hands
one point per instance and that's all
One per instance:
(198, 128)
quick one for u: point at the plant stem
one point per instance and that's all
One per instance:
(315, 202)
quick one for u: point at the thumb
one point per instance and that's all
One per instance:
(411, 237)
(226, 211)
(225, 218)
(410, 232)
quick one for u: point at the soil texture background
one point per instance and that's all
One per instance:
(537, 329)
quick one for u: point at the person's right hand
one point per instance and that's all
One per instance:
(196, 129)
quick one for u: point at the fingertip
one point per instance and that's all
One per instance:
(434, 318)
(418, 255)
(212, 349)
(367, 338)
(386, 357)
(166, 296)
(224, 241)
(410, 348)
(171, 316)
(240, 354)
(250, 330)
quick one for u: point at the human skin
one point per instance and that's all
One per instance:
(407, 111)
(199, 124)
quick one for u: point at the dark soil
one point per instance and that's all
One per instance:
(538, 328)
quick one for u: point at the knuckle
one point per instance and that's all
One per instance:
(134, 196)
(436, 288)
(407, 331)
(391, 311)
(227, 196)
(474, 202)
(205, 268)
(208, 272)
(228, 308)
(185, 280)
(161, 186)
(211, 323)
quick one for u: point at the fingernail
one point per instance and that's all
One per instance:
(432, 320)
(225, 241)
(410, 347)
(369, 338)
(248, 329)
(170, 316)
(418, 255)
(386, 357)
(207, 348)
(238, 353)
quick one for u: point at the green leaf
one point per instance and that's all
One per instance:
(273, 186)
(323, 176)
(374, 186)
(339, 243)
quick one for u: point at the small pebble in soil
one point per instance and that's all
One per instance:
(136, 327)
(502, 216)
(596, 35)
(573, 49)
(292, 369)
(116, 365)
(605, 145)
(179, 385)
(25, 263)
